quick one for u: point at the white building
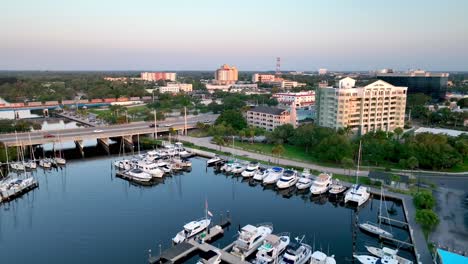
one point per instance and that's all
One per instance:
(285, 84)
(263, 78)
(322, 71)
(176, 88)
(234, 88)
(301, 98)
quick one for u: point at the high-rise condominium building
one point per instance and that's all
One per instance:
(432, 84)
(377, 106)
(156, 76)
(226, 75)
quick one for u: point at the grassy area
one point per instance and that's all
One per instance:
(460, 167)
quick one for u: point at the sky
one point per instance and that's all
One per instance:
(250, 34)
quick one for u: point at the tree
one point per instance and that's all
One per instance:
(233, 118)
(398, 131)
(424, 200)
(412, 163)
(347, 163)
(282, 134)
(427, 219)
(218, 140)
(278, 150)
(463, 103)
(242, 135)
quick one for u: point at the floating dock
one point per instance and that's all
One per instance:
(8, 195)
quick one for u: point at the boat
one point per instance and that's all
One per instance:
(238, 169)
(260, 174)
(250, 238)
(191, 229)
(31, 164)
(151, 155)
(297, 253)
(273, 176)
(138, 175)
(60, 161)
(151, 168)
(272, 248)
(288, 179)
(124, 164)
(17, 166)
(318, 257)
(304, 183)
(321, 184)
(366, 259)
(249, 172)
(216, 159)
(337, 188)
(214, 257)
(253, 165)
(385, 251)
(186, 154)
(45, 163)
(306, 173)
(374, 229)
(357, 194)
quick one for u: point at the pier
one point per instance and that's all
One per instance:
(6, 196)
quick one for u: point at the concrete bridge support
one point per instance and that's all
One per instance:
(128, 142)
(79, 145)
(104, 142)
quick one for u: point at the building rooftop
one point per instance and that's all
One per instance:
(413, 74)
(448, 132)
(451, 258)
(267, 110)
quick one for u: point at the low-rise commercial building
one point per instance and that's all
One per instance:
(176, 88)
(286, 85)
(262, 78)
(377, 106)
(301, 98)
(156, 76)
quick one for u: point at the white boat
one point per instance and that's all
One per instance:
(304, 183)
(274, 175)
(238, 169)
(321, 184)
(138, 175)
(374, 229)
(213, 160)
(357, 194)
(366, 259)
(249, 172)
(151, 155)
(337, 188)
(319, 257)
(306, 173)
(124, 164)
(288, 179)
(226, 165)
(391, 253)
(260, 174)
(215, 259)
(151, 168)
(231, 166)
(17, 166)
(45, 163)
(253, 165)
(191, 229)
(272, 248)
(60, 161)
(250, 238)
(296, 253)
(186, 154)
(30, 164)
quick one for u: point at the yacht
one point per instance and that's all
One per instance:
(238, 169)
(250, 238)
(214, 160)
(374, 229)
(151, 155)
(124, 164)
(151, 168)
(191, 229)
(385, 251)
(318, 257)
(357, 194)
(229, 166)
(366, 259)
(138, 175)
(288, 179)
(306, 173)
(17, 165)
(249, 172)
(30, 164)
(60, 161)
(273, 176)
(186, 154)
(304, 183)
(321, 184)
(273, 246)
(296, 253)
(337, 188)
(253, 165)
(45, 163)
(260, 174)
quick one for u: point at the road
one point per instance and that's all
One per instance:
(40, 137)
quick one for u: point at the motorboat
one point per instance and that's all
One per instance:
(391, 253)
(238, 169)
(124, 164)
(186, 154)
(296, 253)
(214, 257)
(30, 164)
(253, 165)
(45, 163)
(151, 168)
(226, 165)
(304, 183)
(366, 259)
(337, 188)
(184, 163)
(191, 229)
(260, 174)
(138, 175)
(231, 166)
(249, 172)
(318, 257)
(250, 238)
(374, 229)
(151, 155)
(60, 161)
(214, 160)
(274, 175)
(357, 194)
(306, 173)
(288, 179)
(17, 166)
(272, 248)
(321, 184)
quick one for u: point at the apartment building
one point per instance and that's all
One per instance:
(176, 88)
(269, 118)
(263, 78)
(156, 76)
(301, 98)
(377, 106)
(226, 75)
(286, 85)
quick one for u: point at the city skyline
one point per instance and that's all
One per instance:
(181, 35)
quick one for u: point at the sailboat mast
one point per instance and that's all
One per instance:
(358, 162)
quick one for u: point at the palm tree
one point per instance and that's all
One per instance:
(413, 163)
(218, 140)
(277, 150)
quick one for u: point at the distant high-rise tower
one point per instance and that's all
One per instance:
(278, 66)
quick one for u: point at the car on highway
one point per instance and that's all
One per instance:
(167, 125)
(49, 136)
(98, 131)
(152, 125)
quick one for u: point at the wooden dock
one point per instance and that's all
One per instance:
(396, 241)
(9, 197)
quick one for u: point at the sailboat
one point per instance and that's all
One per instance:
(391, 253)
(357, 194)
(18, 164)
(31, 163)
(374, 228)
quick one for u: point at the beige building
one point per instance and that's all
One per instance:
(226, 75)
(269, 118)
(176, 88)
(263, 78)
(377, 106)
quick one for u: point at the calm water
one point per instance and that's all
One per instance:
(83, 214)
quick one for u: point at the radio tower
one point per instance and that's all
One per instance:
(278, 67)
